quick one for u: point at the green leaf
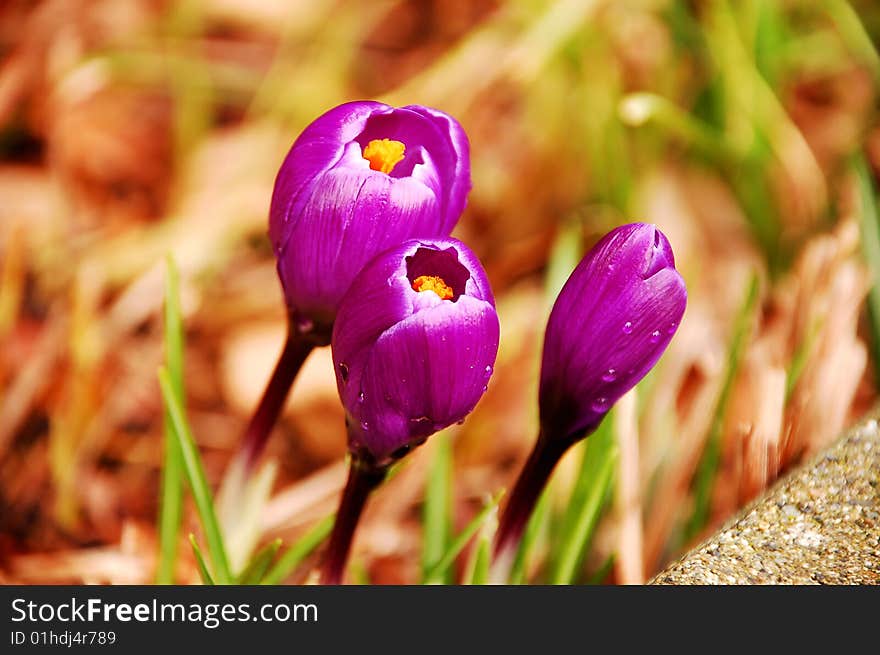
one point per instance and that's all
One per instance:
(200, 560)
(597, 576)
(196, 476)
(437, 572)
(301, 549)
(854, 34)
(437, 511)
(478, 573)
(537, 523)
(870, 228)
(259, 564)
(707, 469)
(563, 258)
(171, 498)
(587, 500)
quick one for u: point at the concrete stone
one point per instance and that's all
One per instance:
(818, 525)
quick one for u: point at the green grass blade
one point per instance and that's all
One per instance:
(597, 576)
(301, 549)
(171, 498)
(854, 34)
(358, 573)
(536, 524)
(259, 564)
(437, 511)
(479, 568)
(200, 560)
(197, 481)
(638, 109)
(564, 257)
(587, 501)
(869, 221)
(436, 574)
(704, 479)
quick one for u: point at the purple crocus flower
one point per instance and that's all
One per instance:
(612, 321)
(414, 345)
(361, 178)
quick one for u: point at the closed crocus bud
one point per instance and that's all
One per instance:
(360, 179)
(414, 345)
(612, 321)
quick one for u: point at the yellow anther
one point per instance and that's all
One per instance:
(433, 283)
(384, 154)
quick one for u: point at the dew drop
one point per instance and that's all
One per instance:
(655, 336)
(489, 370)
(600, 404)
(461, 422)
(610, 375)
(628, 327)
(361, 397)
(343, 371)
(365, 426)
(671, 327)
(485, 388)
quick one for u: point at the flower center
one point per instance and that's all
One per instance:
(384, 154)
(433, 283)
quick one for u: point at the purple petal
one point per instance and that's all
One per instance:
(461, 176)
(316, 150)
(609, 326)
(409, 363)
(424, 374)
(351, 216)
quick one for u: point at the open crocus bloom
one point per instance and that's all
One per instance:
(611, 322)
(414, 345)
(361, 178)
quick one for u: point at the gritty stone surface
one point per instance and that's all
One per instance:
(818, 525)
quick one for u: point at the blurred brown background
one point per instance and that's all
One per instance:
(130, 129)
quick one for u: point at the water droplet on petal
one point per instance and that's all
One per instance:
(600, 404)
(485, 388)
(489, 370)
(304, 325)
(461, 422)
(361, 397)
(628, 327)
(365, 426)
(655, 336)
(671, 327)
(343, 371)
(610, 375)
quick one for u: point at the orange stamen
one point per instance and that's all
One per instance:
(384, 154)
(433, 283)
